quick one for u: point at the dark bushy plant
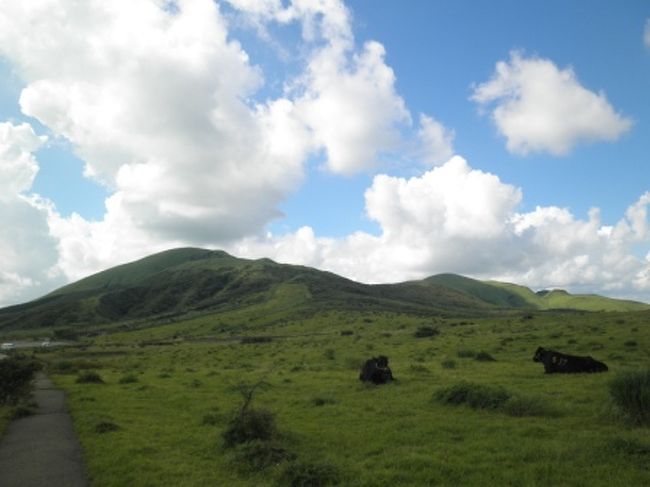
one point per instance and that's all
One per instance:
(106, 427)
(90, 378)
(426, 331)
(476, 396)
(16, 373)
(484, 357)
(249, 425)
(257, 455)
(301, 474)
(630, 392)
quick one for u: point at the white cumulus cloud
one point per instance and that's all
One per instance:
(454, 218)
(542, 108)
(27, 250)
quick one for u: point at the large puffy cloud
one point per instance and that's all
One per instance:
(455, 218)
(27, 251)
(352, 108)
(159, 102)
(540, 107)
(646, 33)
(347, 99)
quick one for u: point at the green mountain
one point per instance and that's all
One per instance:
(187, 281)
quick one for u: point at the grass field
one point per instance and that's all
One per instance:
(169, 394)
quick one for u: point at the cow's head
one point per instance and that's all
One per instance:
(538, 354)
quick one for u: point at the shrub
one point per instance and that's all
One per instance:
(90, 378)
(426, 331)
(257, 455)
(323, 401)
(249, 425)
(520, 406)
(16, 373)
(476, 396)
(466, 354)
(484, 357)
(248, 340)
(210, 419)
(631, 343)
(106, 427)
(345, 333)
(301, 474)
(448, 364)
(628, 447)
(128, 379)
(630, 392)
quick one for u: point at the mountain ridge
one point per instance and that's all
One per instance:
(179, 281)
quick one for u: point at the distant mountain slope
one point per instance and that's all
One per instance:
(181, 281)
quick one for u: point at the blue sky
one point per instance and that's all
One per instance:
(374, 139)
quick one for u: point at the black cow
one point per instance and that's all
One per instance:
(559, 363)
(376, 370)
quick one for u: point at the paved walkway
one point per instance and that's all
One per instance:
(42, 450)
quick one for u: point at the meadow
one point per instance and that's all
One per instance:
(169, 393)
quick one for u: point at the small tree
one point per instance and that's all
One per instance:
(250, 424)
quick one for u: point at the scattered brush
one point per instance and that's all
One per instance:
(301, 474)
(257, 455)
(448, 364)
(106, 427)
(494, 398)
(128, 379)
(426, 331)
(89, 378)
(484, 357)
(476, 396)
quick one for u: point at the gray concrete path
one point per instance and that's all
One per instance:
(42, 450)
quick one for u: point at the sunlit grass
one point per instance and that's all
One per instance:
(560, 431)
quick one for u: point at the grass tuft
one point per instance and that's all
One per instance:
(258, 455)
(630, 392)
(302, 474)
(476, 396)
(89, 378)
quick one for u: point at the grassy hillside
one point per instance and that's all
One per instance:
(186, 282)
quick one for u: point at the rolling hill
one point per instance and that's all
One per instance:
(177, 282)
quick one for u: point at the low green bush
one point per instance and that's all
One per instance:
(249, 425)
(520, 406)
(448, 364)
(476, 396)
(128, 379)
(302, 474)
(258, 455)
(16, 373)
(484, 357)
(630, 392)
(89, 378)
(466, 354)
(426, 331)
(106, 427)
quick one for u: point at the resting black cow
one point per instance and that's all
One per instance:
(559, 363)
(376, 370)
